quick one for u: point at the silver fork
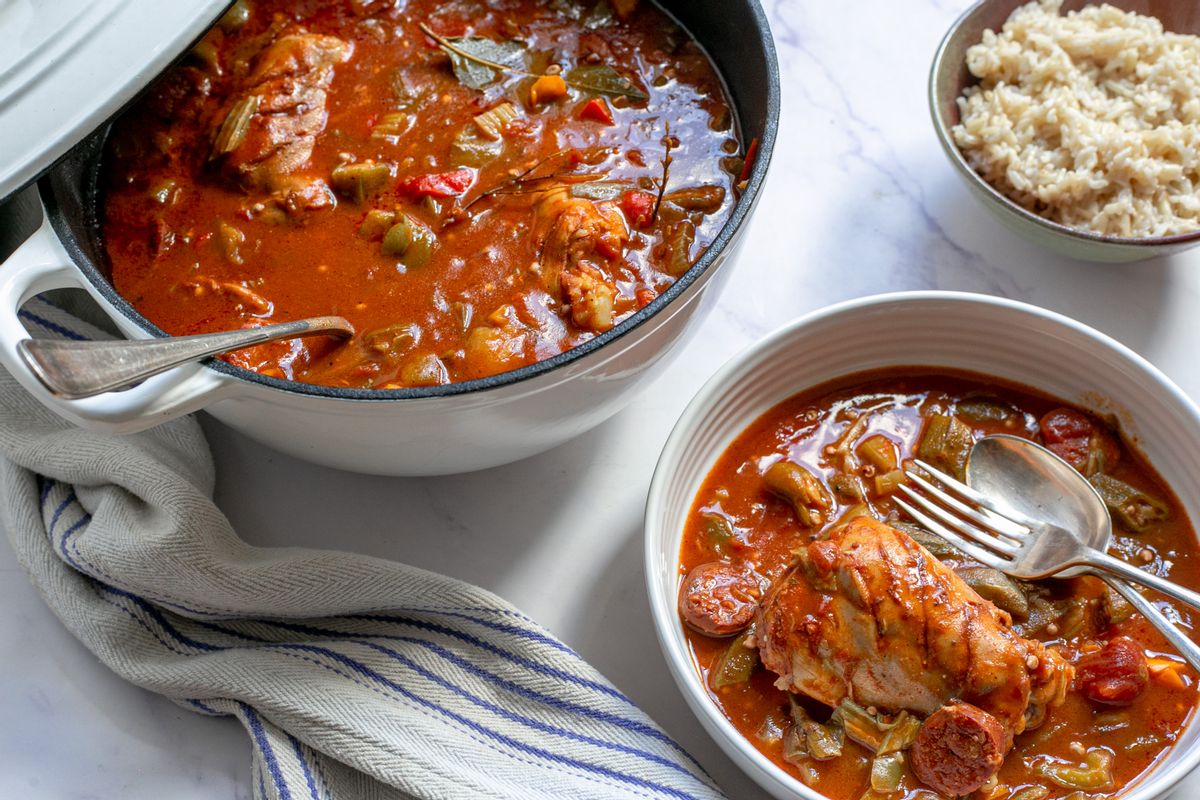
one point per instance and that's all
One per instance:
(1011, 542)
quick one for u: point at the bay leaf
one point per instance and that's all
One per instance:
(473, 51)
(603, 79)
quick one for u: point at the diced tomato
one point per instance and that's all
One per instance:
(638, 208)
(1072, 436)
(438, 184)
(645, 296)
(597, 110)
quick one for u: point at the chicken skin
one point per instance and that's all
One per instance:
(870, 615)
(277, 118)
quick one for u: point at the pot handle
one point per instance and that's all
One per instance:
(41, 264)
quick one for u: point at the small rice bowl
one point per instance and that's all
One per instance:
(1089, 119)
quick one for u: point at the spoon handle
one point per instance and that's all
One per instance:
(73, 369)
(1171, 632)
(1129, 572)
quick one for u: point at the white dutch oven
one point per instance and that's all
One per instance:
(425, 431)
(1002, 338)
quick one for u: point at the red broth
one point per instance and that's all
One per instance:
(491, 272)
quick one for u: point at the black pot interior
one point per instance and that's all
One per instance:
(737, 38)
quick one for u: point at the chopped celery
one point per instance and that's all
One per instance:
(817, 740)
(824, 741)
(859, 725)
(887, 771)
(680, 239)
(1031, 793)
(984, 410)
(491, 123)
(946, 443)
(231, 240)
(705, 199)
(360, 180)
(997, 588)
(393, 126)
(900, 734)
(398, 237)
(718, 531)
(392, 339)
(1131, 506)
(421, 250)
(472, 149)
(376, 224)
(736, 664)
(879, 451)
(888, 482)
(802, 489)
(1094, 773)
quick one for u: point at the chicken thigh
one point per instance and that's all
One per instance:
(870, 615)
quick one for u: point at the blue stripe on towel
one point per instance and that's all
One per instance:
(434, 627)
(633, 726)
(260, 736)
(519, 718)
(383, 680)
(312, 786)
(53, 327)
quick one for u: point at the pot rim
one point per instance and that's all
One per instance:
(725, 237)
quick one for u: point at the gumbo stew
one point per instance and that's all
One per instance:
(872, 660)
(476, 186)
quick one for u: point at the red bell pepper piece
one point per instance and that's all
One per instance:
(638, 207)
(598, 111)
(438, 184)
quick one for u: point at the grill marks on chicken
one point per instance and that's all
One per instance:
(869, 615)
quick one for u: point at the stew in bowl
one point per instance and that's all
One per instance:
(834, 649)
(870, 659)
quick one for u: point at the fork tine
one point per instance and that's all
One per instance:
(982, 500)
(962, 526)
(974, 551)
(986, 519)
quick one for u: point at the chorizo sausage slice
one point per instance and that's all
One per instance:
(719, 599)
(958, 748)
(1116, 675)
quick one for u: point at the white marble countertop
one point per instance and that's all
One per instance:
(860, 200)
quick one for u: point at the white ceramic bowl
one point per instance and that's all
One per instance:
(1009, 340)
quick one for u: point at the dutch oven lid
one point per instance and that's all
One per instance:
(66, 66)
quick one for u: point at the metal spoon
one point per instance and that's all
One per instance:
(76, 369)
(1027, 478)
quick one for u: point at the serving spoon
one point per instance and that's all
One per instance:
(73, 370)
(1026, 478)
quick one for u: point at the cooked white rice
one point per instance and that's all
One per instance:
(1091, 119)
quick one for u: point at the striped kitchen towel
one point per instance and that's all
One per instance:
(355, 677)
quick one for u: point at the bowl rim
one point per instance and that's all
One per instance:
(726, 237)
(1155, 783)
(942, 129)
